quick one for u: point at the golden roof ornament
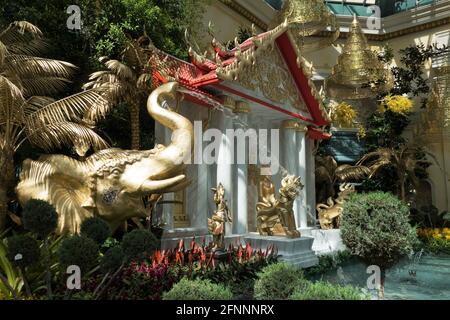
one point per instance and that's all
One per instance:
(307, 18)
(358, 73)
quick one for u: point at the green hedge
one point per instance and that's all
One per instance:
(198, 290)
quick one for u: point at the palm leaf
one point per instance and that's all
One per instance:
(61, 134)
(22, 37)
(67, 109)
(43, 85)
(11, 100)
(120, 69)
(24, 66)
(351, 173)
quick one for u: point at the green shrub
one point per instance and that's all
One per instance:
(39, 217)
(139, 244)
(375, 227)
(96, 229)
(198, 290)
(27, 247)
(327, 291)
(79, 251)
(112, 260)
(278, 281)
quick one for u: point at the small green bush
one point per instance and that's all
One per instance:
(327, 291)
(96, 229)
(139, 244)
(375, 227)
(112, 260)
(198, 290)
(27, 247)
(278, 281)
(78, 251)
(39, 217)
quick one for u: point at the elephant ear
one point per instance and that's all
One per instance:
(67, 190)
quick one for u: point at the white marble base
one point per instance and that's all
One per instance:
(171, 238)
(327, 241)
(295, 251)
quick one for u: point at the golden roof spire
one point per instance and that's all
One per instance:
(357, 67)
(307, 18)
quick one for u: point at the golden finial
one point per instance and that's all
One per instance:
(306, 18)
(357, 67)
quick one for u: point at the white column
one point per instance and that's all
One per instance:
(241, 225)
(290, 156)
(225, 161)
(311, 191)
(302, 200)
(200, 216)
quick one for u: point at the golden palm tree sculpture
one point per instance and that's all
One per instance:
(404, 160)
(27, 115)
(128, 80)
(20, 44)
(328, 173)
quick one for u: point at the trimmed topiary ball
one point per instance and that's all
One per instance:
(112, 260)
(198, 290)
(39, 217)
(96, 229)
(139, 244)
(278, 281)
(375, 227)
(78, 251)
(23, 250)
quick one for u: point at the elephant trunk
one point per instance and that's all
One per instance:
(182, 142)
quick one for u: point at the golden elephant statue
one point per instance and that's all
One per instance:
(112, 183)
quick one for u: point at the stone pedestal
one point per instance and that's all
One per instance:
(327, 241)
(294, 251)
(171, 238)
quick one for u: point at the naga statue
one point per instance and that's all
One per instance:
(275, 217)
(112, 183)
(216, 225)
(330, 213)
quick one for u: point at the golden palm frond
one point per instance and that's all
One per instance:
(61, 134)
(22, 37)
(67, 109)
(144, 81)
(377, 159)
(11, 100)
(3, 53)
(28, 66)
(120, 69)
(43, 85)
(347, 172)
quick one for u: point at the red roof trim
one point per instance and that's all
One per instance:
(290, 56)
(317, 134)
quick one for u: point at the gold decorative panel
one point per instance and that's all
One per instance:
(270, 77)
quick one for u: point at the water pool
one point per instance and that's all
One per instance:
(428, 278)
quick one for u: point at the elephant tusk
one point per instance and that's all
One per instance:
(160, 186)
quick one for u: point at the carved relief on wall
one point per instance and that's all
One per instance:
(271, 77)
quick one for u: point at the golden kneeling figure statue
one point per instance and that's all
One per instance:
(216, 225)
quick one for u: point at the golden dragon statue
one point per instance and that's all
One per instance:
(275, 217)
(330, 213)
(112, 183)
